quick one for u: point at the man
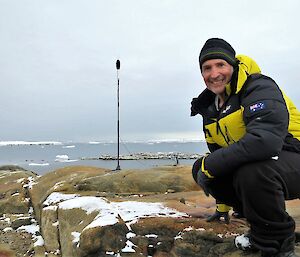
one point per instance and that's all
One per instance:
(252, 130)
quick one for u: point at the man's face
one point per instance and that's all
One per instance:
(216, 74)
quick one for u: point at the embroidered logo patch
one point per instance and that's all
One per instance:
(226, 109)
(257, 107)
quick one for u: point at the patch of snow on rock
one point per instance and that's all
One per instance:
(34, 230)
(129, 247)
(110, 212)
(56, 197)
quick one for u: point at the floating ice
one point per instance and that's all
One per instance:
(38, 164)
(63, 158)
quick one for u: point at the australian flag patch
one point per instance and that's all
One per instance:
(257, 107)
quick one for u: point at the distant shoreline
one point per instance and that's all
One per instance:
(148, 156)
(20, 143)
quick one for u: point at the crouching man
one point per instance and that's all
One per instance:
(252, 130)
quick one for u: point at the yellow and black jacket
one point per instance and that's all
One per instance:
(256, 122)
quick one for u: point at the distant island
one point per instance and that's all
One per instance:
(147, 156)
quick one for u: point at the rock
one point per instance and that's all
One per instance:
(72, 221)
(13, 196)
(71, 229)
(39, 251)
(5, 251)
(20, 221)
(61, 180)
(13, 168)
(196, 243)
(182, 200)
(49, 228)
(15, 243)
(93, 212)
(100, 240)
(158, 180)
(171, 191)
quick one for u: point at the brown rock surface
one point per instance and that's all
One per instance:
(156, 180)
(17, 244)
(5, 251)
(49, 228)
(12, 194)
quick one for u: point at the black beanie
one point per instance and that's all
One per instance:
(217, 48)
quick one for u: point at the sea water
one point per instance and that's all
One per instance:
(43, 157)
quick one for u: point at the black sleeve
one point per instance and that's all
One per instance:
(266, 118)
(213, 147)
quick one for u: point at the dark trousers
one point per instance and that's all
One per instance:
(259, 190)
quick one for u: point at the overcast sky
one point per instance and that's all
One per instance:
(57, 63)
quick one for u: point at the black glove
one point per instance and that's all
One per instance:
(238, 215)
(219, 216)
(204, 182)
(201, 179)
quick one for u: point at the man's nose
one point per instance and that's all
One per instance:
(214, 72)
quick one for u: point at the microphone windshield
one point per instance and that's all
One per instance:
(118, 64)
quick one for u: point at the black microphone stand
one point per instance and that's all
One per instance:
(118, 64)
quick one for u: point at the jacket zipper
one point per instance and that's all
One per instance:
(228, 135)
(220, 130)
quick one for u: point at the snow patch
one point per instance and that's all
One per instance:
(110, 212)
(55, 224)
(130, 235)
(34, 230)
(129, 247)
(20, 180)
(31, 182)
(242, 242)
(151, 236)
(7, 229)
(76, 238)
(56, 197)
(50, 208)
(132, 211)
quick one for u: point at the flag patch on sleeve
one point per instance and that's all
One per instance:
(257, 107)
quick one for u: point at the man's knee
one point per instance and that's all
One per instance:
(196, 168)
(251, 175)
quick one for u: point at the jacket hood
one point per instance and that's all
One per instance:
(246, 66)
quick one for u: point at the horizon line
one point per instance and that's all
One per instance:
(55, 142)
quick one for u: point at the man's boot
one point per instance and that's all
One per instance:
(286, 249)
(243, 242)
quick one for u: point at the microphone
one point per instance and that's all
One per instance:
(118, 64)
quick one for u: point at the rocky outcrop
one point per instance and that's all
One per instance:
(92, 212)
(157, 180)
(61, 180)
(13, 196)
(15, 211)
